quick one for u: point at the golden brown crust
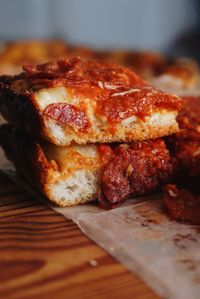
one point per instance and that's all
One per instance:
(23, 111)
(43, 165)
(139, 132)
(61, 173)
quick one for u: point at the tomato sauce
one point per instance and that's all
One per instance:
(134, 169)
(118, 91)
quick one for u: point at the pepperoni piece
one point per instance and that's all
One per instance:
(188, 117)
(68, 114)
(136, 169)
(105, 204)
(182, 204)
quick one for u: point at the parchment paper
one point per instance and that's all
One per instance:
(164, 253)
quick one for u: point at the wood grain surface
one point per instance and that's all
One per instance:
(43, 255)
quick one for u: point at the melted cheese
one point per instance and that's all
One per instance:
(45, 97)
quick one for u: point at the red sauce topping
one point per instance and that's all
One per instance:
(189, 116)
(118, 91)
(67, 114)
(185, 150)
(142, 101)
(184, 204)
(184, 146)
(134, 169)
(106, 153)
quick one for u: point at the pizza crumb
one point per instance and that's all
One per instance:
(172, 193)
(93, 263)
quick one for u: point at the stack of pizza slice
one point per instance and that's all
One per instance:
(85, 129)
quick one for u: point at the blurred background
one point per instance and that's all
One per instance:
(167, 26)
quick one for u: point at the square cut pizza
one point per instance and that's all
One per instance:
(74, 174)
(87, 101)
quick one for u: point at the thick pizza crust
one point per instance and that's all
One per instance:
(160, 124)
(67, 176)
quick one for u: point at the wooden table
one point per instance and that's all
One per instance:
(43, 255)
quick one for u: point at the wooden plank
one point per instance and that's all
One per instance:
(44, 255)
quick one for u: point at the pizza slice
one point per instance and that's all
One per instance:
(87, 101)
(77, 174)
